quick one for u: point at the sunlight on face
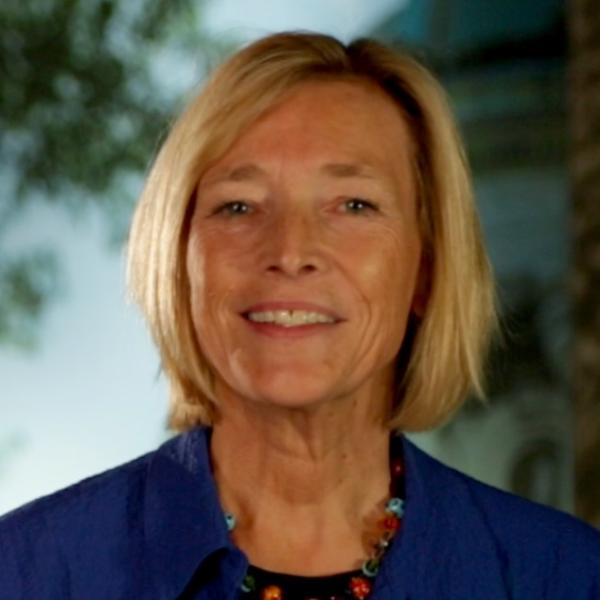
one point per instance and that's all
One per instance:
(304, 250)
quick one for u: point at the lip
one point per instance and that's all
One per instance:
(292, 305)
(277, 331)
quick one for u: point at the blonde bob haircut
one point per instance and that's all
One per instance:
(441, 360)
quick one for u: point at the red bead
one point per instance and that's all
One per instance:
(397, 467)
(390, 523)
(360, 587)
(271, 592)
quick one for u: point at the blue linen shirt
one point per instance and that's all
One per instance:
(153, 529)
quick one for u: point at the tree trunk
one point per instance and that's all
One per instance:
(584, 102)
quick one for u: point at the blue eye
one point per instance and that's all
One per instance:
(233, 208)
(359, 205)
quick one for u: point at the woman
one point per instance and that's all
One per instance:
(308, 257)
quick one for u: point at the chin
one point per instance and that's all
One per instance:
(294, 391)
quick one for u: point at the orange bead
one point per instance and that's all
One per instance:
(271, 592)
(360, 588)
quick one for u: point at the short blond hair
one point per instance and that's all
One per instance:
(441, 360)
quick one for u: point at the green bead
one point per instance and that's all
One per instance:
(370, 567)
(249, 584)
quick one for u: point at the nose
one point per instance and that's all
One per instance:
(293, 247)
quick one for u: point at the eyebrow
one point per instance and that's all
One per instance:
(244, 172)
(251, 171)
(347, 170)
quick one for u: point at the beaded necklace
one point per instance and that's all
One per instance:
(358, 585)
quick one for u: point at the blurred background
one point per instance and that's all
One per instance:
(87, 91)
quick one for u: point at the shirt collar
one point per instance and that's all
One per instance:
(183, 519)
(184, 524)
(395, 579)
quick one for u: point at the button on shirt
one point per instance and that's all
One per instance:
(153, 529)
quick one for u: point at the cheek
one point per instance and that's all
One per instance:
(215, 271)
(384, 269)
(208, 256)
(208, 285)
(384, 266)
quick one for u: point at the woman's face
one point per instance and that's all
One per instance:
(304, 249)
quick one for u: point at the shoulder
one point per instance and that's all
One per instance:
(534, 544)
(504, 511)
(85, 526)
(113, 493)
(105, 492)
(109, 535)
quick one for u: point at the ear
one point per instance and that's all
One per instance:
(422, 287)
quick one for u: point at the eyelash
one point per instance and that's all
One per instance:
(365, 206)
(233, 208)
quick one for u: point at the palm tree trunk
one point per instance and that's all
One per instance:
(584, 101)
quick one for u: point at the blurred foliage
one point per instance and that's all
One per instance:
(86, 91)
(10, 446)
(26, 282)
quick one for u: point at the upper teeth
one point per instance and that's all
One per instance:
(289, 318)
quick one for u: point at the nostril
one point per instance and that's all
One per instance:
(308, 268)
(289, 267)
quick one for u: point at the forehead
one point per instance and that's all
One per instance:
(326, 121)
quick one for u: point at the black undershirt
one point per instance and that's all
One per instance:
(298, 587)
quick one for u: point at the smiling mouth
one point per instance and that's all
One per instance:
(289, 318)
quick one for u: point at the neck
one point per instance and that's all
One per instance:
(326, 470)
